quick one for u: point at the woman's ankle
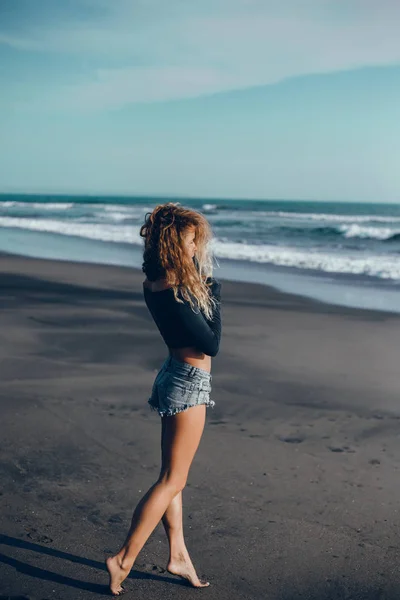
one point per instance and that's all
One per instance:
(124, 561)
(177, 544)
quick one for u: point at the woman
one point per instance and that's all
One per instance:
(184, 301)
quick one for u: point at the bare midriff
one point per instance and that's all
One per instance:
(189, 354)
(192, 356)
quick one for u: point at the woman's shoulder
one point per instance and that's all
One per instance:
(156, 286)
(162, 292)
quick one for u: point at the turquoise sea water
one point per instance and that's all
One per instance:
(305, 247)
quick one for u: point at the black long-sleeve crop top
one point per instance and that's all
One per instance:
(180, 326)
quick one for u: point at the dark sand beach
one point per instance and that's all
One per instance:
(295, 489)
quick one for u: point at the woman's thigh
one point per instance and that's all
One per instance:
(180, 438)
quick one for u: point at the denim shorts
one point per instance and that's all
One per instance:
(178, 386)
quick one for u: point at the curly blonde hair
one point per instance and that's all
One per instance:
(164, 255)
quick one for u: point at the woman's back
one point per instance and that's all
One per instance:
(182, 328)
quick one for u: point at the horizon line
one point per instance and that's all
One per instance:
(179, 197)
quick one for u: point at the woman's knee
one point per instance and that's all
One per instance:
(174, 481)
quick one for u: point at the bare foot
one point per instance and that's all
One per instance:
(182, 566)
(117, 575)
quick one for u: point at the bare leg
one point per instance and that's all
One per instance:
(173, 525)
(182, 438)
(179, 562)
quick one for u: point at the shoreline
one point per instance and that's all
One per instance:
(344, 256)
(304, 298)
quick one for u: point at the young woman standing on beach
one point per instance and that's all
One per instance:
(184, 301)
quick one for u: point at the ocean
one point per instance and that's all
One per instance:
(345, 253)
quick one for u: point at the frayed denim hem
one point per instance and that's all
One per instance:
(169, 412)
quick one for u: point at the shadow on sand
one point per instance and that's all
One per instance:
(47, 575)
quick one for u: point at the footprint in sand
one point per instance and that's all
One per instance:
(292, 439)
(341, 449)
(37, 537)
(115, 519)
(152, 567)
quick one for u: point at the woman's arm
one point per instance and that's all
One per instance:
(206, 333)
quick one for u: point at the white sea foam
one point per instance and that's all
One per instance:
(209, 207)
(140, 210)
(116, 216)
(383, 266)
(104, 208)
(357, 231)
(119, 213)
(131, 209)
(106, 233)
(328, 217)
(38, 205)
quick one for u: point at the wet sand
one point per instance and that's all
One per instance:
(294, 492)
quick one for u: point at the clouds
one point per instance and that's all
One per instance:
(125, 96)
(147, 51)
(335, 136)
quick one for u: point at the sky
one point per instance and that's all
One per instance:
(276, 99)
